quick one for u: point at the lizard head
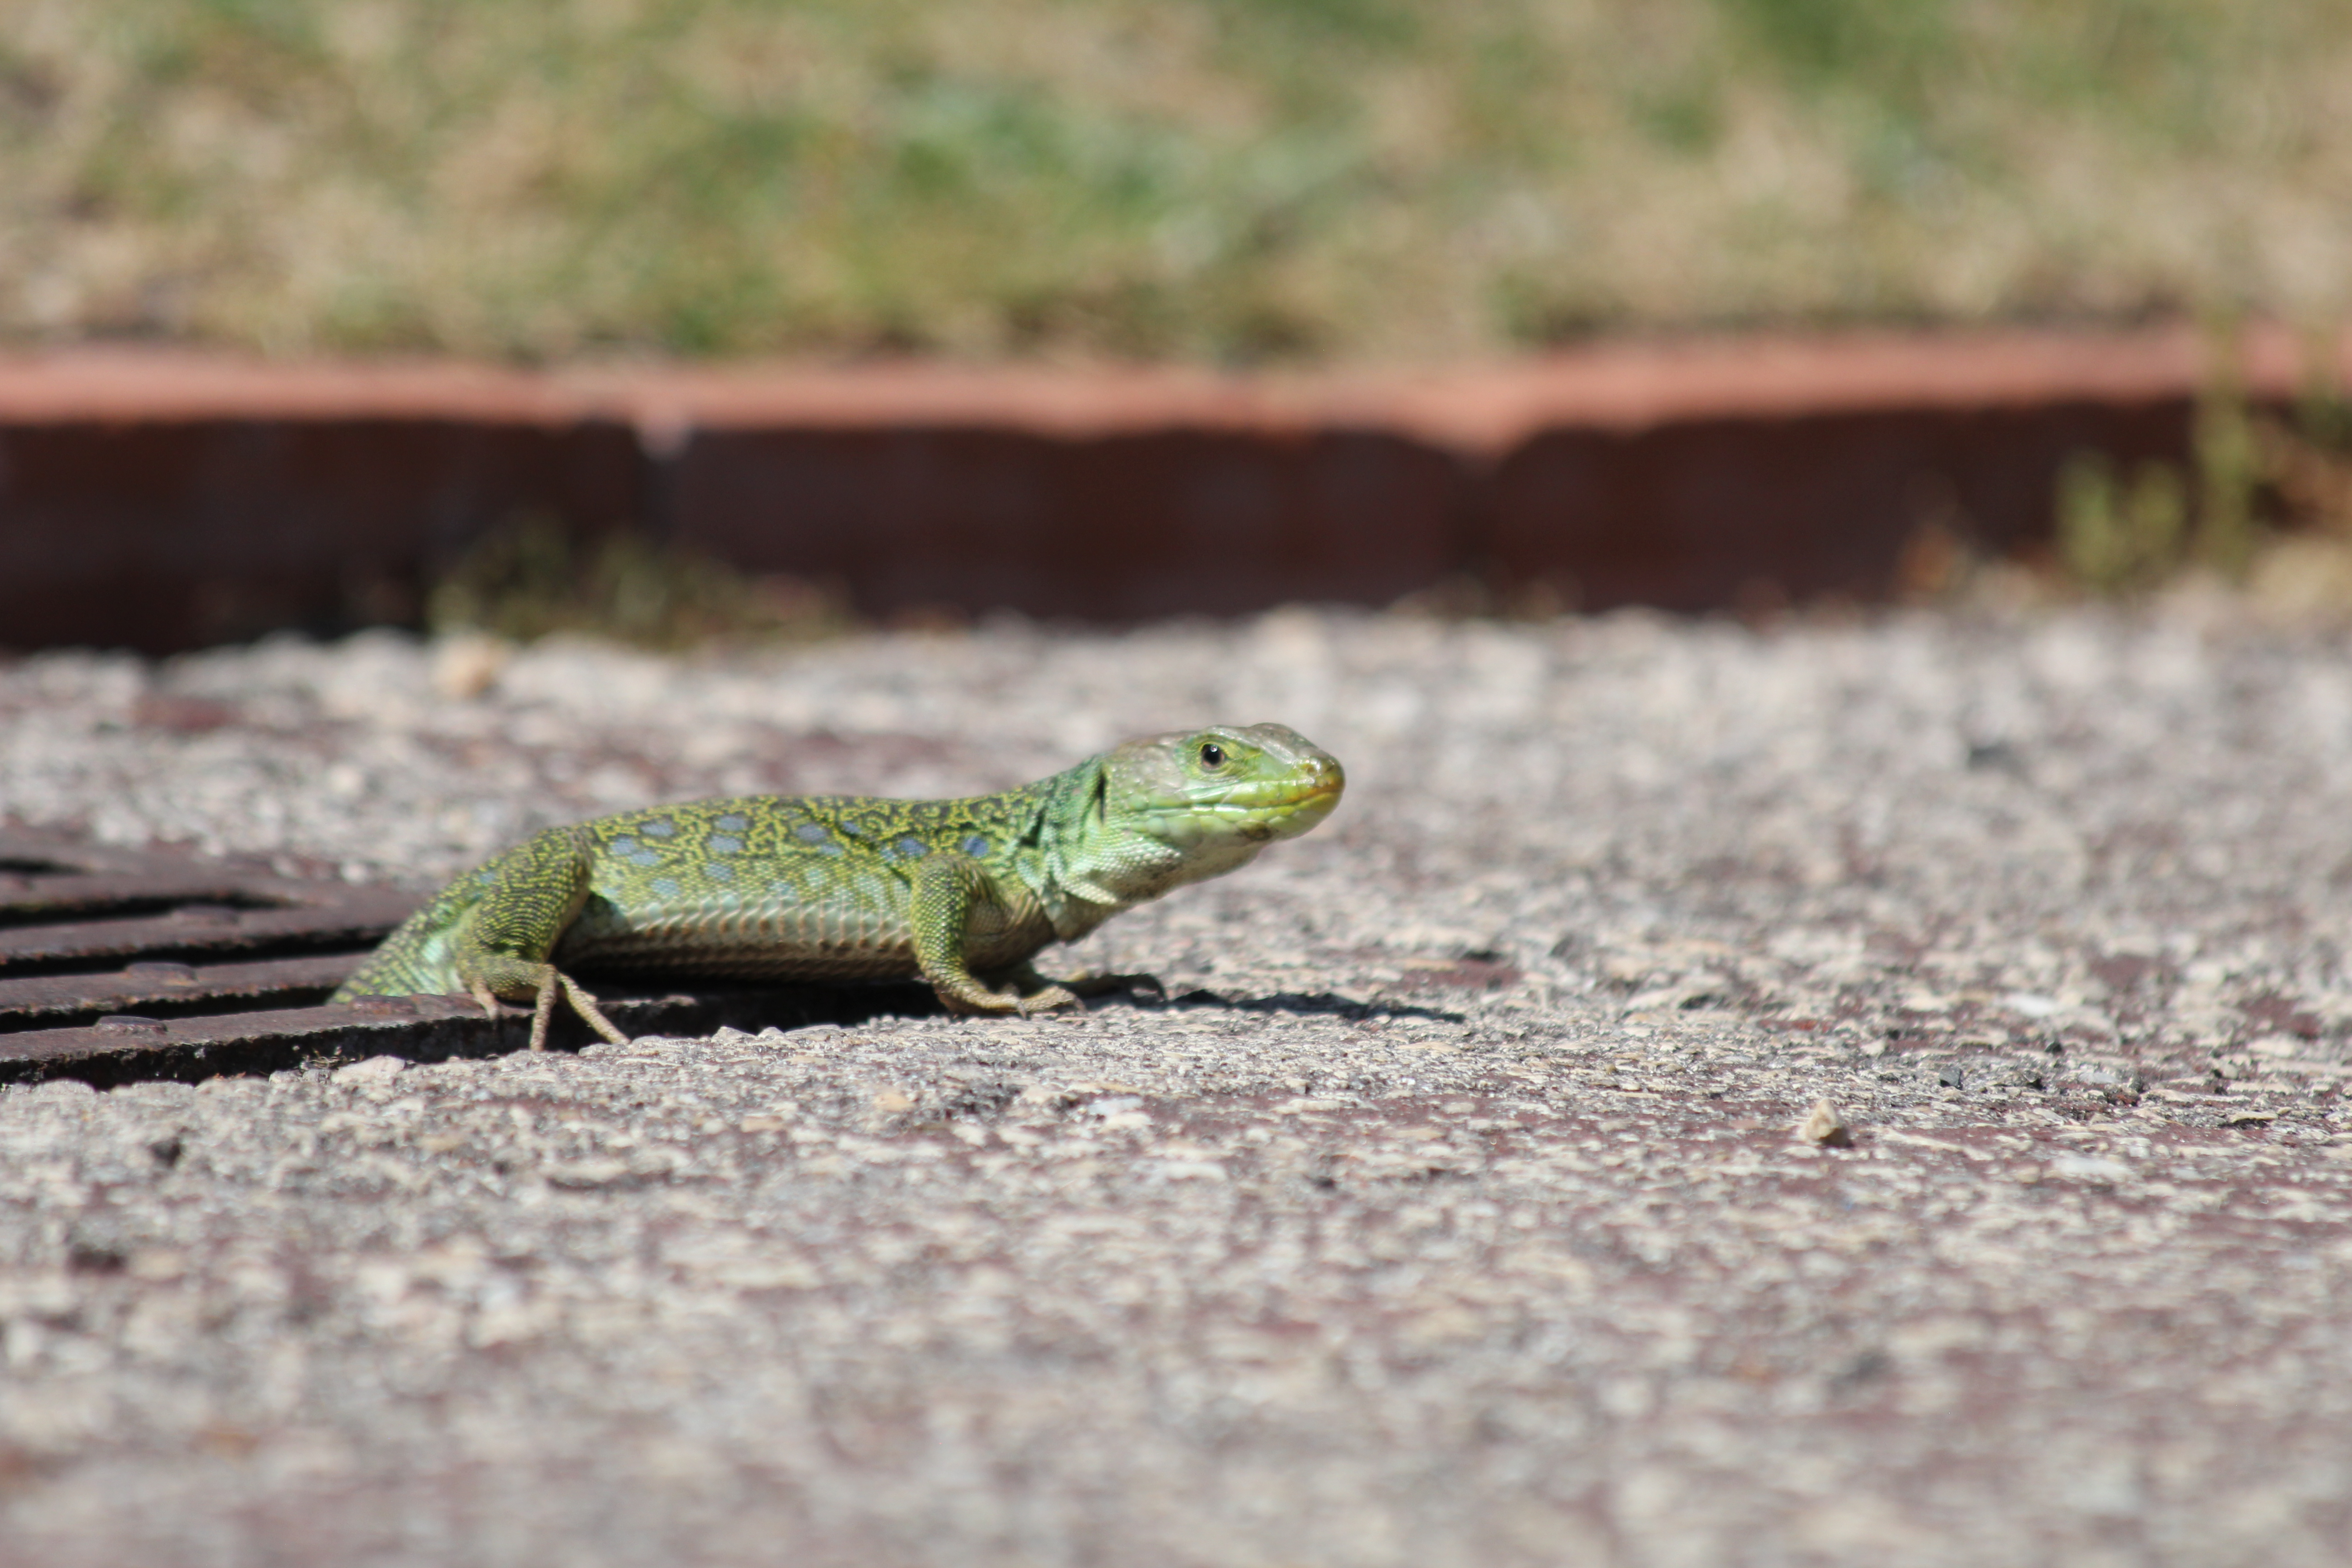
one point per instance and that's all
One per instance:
(1248, 785)
(1170, 809)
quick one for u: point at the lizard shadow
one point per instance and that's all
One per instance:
(849, 1006)
(1328, 1003)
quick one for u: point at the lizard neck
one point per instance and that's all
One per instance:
(1086, 863)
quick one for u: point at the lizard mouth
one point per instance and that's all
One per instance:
(1265, 809)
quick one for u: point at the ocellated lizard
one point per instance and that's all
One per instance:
(963, 893)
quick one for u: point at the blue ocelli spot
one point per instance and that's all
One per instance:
(813, 832)
(912, 849)
(718, 870)
(660, 828)
(666, 886)
(645, 857)
(975, 845)
(723, 844)
(735, 822)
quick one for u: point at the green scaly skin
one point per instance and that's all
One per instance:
(963, 893)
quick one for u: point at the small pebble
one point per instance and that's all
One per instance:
(1825, 1128)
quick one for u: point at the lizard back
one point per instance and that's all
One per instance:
(793, 886)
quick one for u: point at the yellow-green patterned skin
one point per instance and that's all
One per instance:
(960, 892)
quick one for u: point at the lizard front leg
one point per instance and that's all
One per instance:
(948, 888)
(500, 951)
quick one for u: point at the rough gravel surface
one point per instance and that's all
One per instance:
(1451, 1208)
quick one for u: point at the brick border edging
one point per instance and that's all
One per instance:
(161, 500)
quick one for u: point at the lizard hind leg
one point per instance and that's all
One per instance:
(504, 946)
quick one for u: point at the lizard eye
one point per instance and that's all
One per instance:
(1212, 755)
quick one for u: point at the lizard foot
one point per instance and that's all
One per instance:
(551, 981)
(1050, 995)
(582, 1003)
(1051, 999)
(972, 997)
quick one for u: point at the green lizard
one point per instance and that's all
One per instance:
(963, 893)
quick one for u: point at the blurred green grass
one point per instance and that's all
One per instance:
(1219, 179)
